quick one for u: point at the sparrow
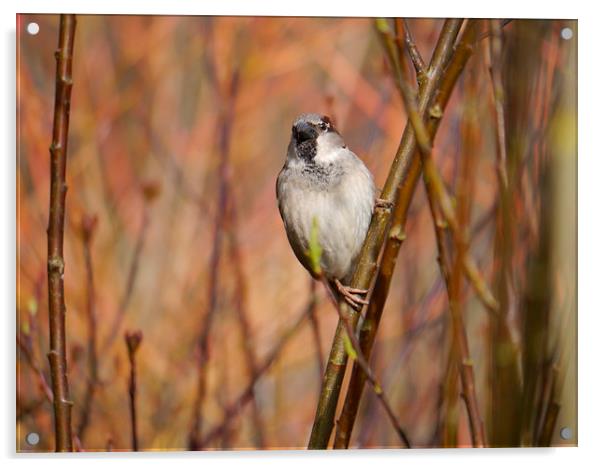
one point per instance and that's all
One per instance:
(324, 182)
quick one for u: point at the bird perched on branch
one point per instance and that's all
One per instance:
(325, 184)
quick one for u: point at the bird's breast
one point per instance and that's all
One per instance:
(342, 208)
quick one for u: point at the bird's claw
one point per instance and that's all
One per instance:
(351, 295)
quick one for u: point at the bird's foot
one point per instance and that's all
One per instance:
(383, 203)
(351, 295)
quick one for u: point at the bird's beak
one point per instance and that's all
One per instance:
(304, 131)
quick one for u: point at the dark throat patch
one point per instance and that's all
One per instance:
(307, 150)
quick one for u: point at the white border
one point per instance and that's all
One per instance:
(590, 232)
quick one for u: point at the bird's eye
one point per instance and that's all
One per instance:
(323, 125)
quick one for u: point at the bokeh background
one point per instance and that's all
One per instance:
(179, 127)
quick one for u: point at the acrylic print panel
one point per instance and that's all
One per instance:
(161, 305)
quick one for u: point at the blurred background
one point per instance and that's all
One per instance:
(179, 127)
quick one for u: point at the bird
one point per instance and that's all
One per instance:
(323, 182)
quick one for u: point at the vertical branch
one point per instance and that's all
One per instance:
(315, 326)
(150, 191)
(355, 351)
(498, 98)
(24, 345)
(396, 233)
(246, 395)
(452, 271)
(403, 166)
(464, 191)
(56, 221)
(442, 213)
(226, 121)
(132, 341)
(88, 227)
(545, 417)
(536, 302)
(504, 353)
(435, 180)
(464, 196)
(410, 45)
(240, 299)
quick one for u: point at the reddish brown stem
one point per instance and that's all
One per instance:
(410, 45)
(451, 270)
(464, 196)
(132, 341)
(549, 422)
(360, 359)
(131, 281)
(56, 222)
(240, 299)
(498, 93)
(315, 328)
(403, 168)
(226, 120)
(26, 351)
(88, 227)
(245, 397)
(396, 235)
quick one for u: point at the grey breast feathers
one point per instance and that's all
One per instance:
(340, 198)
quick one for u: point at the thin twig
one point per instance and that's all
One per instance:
(315, 328)
(131, 280)
(371, 322)
(42, 382)
(226, 121)
(365, 366)
(549, 423)
(246, 395)
(440, 203)
(88, 227)
(132, 341)
(240, 299)
(432, 177)
(417, 60)
(464, 196)
(498, 93)
(25, 410)
(56, 222)
(396, 234)
(545, 418)
(505, 370)
(488, 33)
(404, 165)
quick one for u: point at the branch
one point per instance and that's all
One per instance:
(548, 408)
(392, 246)
(550, 420)
(486, 34)
(402, 27)
(498, 97)
(56, 222)
(132, 341)
(226, 120)
(88, 227)
(504, 353)
(246, 395)
(439, 199)
(315, 327)
(359, 358)
(43, 384)
(464, 195)
(435, 181)
(240, 299)
(148, 195)
(403, 169)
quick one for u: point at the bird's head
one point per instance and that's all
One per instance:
(313, 134)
